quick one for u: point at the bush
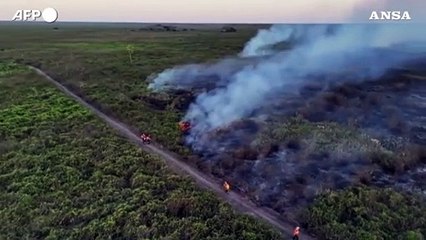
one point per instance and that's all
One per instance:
(66, 175)
(367, 213)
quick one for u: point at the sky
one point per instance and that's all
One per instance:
(214, 11)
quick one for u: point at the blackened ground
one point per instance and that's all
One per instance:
(204, 180)
(380, 139)
(394, 106)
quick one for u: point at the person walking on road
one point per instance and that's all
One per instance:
(296, 233)
(226, 186)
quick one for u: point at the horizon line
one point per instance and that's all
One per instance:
(207, 23)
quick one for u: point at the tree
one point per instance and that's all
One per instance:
(130, 51)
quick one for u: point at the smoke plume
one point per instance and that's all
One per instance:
(266, 37)
(326, 53)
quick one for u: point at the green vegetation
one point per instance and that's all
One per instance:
(95, 63)
(66, 175)
(325, 136)
(6, 69)
(363, 213)
(343, 142)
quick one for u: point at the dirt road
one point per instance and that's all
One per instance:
(237, 201)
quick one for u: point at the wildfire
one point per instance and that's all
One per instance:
(184, 126)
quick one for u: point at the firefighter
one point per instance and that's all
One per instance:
(148, 138)
(226, 186)
(145, 138)
(296, 233)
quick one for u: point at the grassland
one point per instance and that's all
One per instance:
(66, 175)
(330, 138)
(362, 213)
(95, 63)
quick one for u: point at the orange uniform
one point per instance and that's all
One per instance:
(296, 233)
(146, 137)
(226, 186)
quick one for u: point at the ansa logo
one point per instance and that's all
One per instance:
(390, 15)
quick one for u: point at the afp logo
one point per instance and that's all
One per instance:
(390, 15)
(49, 15)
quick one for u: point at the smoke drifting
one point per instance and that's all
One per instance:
(359, 94)
(185, 77)
(319, 53)
(266, 37)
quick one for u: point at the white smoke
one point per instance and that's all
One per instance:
(360, 51)
(264, 38)
(182, 77)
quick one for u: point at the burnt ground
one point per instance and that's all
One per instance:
(395, 106)
(323, 138)
(204, 180)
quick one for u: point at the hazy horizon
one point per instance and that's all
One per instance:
(213, 11)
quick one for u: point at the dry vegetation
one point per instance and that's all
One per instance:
(67, 175)
(94, 63)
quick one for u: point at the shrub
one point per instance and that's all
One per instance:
(366, 213)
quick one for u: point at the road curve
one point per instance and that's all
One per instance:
(237, 201)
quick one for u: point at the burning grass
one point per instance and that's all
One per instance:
(295, 160)
(286, 160)
(291, 159)
(66, 175)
